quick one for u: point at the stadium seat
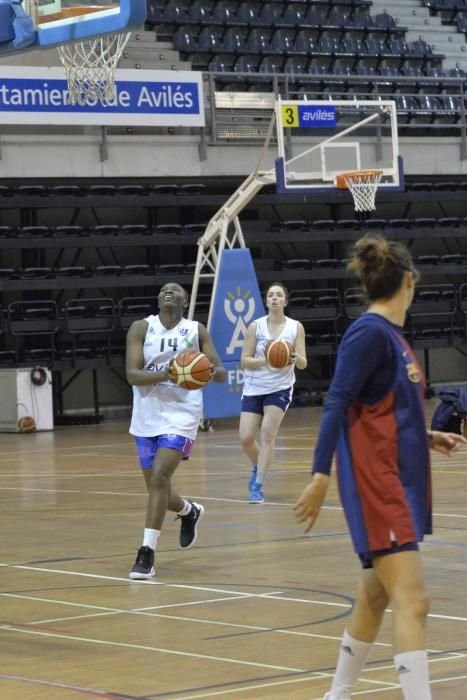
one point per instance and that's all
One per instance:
(140, 269)
(283, 41)
(166, 188)
(133, 230)
(210, 40)
(258, 41)
(90, 317)
(27, 273)
(102, 189)
(67, 231)
(290, 225)
(223, 13)
(32, 232)
(105, 230)
(137, 190)
(294, 264)
(171, 269)
(170, 229)
(184, 40)
(33, 318)
(32, 190)
(294, 15)
(132, 309)
(194, 229)
(72, 271)
(247, 13)
(354, 302)
(66, 190)
(234, 40)
(107, 270)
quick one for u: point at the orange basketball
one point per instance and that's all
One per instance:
(191, 370)
(277, 353)
(26, 424)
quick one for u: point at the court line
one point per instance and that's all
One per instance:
(147, 611)
(260, 686)
(203, 588)
(206, 498)
(387, 686)
(55, 684)
(143, 647)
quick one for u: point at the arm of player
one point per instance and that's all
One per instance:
(299, 356)
(249, 361)
(445, 443)
(219, 374)
(136, 374)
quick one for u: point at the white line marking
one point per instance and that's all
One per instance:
(203, 588)
(104, 642)
(147, 611)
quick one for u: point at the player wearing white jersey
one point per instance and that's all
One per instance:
(267, 392)
(165, 418)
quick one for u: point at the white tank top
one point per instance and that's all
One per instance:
(165, 408)
(265, 380)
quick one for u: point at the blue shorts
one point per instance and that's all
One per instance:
(148, 446)
(366, 558)
(256, 404)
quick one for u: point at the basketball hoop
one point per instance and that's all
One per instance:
(90, 68)
(363, 184)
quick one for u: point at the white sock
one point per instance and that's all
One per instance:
(412, 669)
(352, 658)
(150, 537)
(186, 508)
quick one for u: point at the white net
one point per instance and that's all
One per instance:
(363, 187)
(90, 68)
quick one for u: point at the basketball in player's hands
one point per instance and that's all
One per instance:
(278, 353)
(191, 370)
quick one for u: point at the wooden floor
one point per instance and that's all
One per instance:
(254, 611)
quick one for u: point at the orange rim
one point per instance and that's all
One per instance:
(361, 175)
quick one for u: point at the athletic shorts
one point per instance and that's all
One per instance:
(256, 404)
(366, 558)
(148, 446)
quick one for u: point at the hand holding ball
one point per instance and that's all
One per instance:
(191, 370)
(278, 353)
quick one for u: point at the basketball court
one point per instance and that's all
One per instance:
(254, 611)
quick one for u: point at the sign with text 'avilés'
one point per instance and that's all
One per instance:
(143, 98)
(299, 116)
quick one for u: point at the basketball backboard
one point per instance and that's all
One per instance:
(59, 22)
(320, 139)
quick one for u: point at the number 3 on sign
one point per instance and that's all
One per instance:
(290, 116)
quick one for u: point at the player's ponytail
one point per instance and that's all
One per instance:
(380, 265)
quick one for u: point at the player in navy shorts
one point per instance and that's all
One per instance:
(374, 420)
(267, 392)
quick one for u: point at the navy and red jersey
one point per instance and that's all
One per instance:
(374, 418)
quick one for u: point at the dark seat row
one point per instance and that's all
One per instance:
(98, 271)
(101, 230)
(380, 223)
(301, 42)
(336, 263)
(98, 190)
(268, 14)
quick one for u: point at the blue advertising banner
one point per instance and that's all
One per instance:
(153, 98)
(316, 115)
(237, 303)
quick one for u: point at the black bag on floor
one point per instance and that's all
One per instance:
(451, 412)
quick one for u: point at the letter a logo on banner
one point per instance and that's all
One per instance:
(237, 304)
